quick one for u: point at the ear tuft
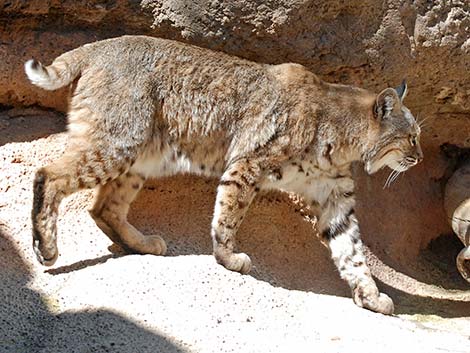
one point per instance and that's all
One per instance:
(402, 90)
(386, 102)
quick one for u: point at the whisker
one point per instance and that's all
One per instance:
(388, 182)
(390, 176)
(392, 179)
(398, 173)
(395, 174)
(395, 177)
(424, 126)
(421, 123)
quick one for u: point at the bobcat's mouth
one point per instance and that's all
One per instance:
(392, 158)
(389, 159)
(399, 166)
(403, 164)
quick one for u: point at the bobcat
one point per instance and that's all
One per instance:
(146, 107)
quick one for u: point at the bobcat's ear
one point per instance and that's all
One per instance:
(386, 102)
(402, 90)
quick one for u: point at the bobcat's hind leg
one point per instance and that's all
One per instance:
(76, 169)
(235, 192)
(110, 214)
(340, 231)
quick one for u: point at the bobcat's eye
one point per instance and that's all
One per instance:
(413, 140)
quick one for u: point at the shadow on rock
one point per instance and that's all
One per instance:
(20, 125)
(28, 322)
(406, 303)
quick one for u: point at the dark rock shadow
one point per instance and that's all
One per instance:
(28, 124)
(28, 323)
(409, 304)
(437, 263)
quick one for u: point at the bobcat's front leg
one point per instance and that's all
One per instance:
(236, 190)
(340, 231)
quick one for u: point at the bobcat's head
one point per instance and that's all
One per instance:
(397, 141)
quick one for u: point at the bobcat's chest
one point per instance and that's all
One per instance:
(310, 180)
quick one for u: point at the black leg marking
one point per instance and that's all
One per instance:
(338, 228)
(38, 199)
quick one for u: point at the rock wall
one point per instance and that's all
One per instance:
(45, 29)
(369, 43)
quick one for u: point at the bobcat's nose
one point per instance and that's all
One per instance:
(419, 154)
(419, 157)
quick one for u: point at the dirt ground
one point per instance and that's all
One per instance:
(97, 300)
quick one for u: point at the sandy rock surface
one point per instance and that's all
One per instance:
(94, 300)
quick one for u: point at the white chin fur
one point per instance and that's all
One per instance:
(371, 168)
(388, 160)
(397, 166)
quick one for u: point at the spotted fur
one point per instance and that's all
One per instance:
(146, 107)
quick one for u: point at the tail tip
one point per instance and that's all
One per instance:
(31, 64)
(31, 67)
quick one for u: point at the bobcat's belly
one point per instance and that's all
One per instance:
(171, 161)
(311, 182)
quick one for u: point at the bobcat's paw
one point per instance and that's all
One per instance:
(384, 305)
(46, 254)
(155, 245)
(235, 262)
(369, 297)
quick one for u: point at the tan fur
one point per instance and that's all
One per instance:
(146, 107)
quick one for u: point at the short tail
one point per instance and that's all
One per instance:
(60, 73)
